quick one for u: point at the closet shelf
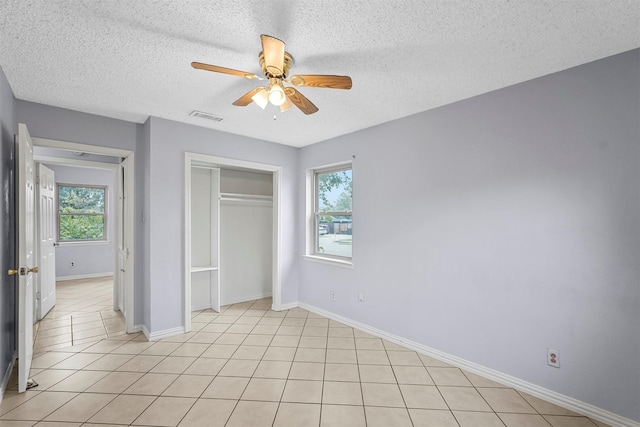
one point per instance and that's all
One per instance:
(203, 268)
(237, 197)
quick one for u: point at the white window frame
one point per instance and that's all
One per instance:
(313, 215)
(105, 237)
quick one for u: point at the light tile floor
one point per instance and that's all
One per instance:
(83, 313)
(250, 366)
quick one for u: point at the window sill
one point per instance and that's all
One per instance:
(89, 242)
(329, 261)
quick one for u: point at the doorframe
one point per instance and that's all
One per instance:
(128, 220)
(196, 159)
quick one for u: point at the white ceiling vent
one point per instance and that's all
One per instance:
(203, 115)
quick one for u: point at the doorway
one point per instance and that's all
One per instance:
(83, 314)
(121, 163)
(199, 161)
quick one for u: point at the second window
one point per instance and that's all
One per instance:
(333, 223)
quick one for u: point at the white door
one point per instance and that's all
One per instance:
(121, 255)
(46, 294)
(26, 253)
(125, 265)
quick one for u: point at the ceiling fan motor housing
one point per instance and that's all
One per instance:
(272, 72)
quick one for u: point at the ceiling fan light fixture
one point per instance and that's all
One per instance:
(261, 98)
(276, 63)
(286, 105)
(276, 95)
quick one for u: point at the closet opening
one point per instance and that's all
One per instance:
(232, 225)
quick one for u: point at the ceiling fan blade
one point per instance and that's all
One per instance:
(245, 99)
(300, 101)
(320, 80)
(273, 50)
(223, 70)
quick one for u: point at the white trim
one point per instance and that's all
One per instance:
(329, 261)
(310, 216)
(63, 161)
(188, 163)
(145, 331)
(86, 148)
(244, 299)
(276, 291)
(207, 161)
(287, 306)
(84, 242)
(155, 336)
(83, 276)
(137, 328)
(551, 396)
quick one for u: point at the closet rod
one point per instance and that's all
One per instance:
(244, 197)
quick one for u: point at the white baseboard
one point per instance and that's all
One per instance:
(155, 336)
(551, 396)
(83, 276)
(244, 299)
(7, 377)
(145, 331)
(287, 306)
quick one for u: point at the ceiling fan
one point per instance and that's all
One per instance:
(276, 63)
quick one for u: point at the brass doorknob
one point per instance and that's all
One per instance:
(23, 271)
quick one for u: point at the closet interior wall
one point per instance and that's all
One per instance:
(231, 236)
(246, 235)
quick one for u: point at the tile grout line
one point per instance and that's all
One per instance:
(474, 386)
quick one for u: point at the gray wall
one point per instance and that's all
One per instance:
(90, 258)
(8, 128)
(495, 227)
(169, 141)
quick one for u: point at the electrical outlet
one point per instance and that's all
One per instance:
(72, 264)
(553, 358)
(360, 297)
(333, 296)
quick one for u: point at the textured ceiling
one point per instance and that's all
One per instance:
(130, 59)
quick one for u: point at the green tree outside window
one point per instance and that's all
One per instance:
(81, 212)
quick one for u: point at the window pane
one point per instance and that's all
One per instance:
(80, 199)
(81, 227)
(334, 235)
(334, 191)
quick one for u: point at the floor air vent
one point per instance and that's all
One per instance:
(203, 115)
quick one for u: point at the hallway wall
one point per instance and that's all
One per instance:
(8, 128)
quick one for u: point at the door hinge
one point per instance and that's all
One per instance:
(38, 296)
